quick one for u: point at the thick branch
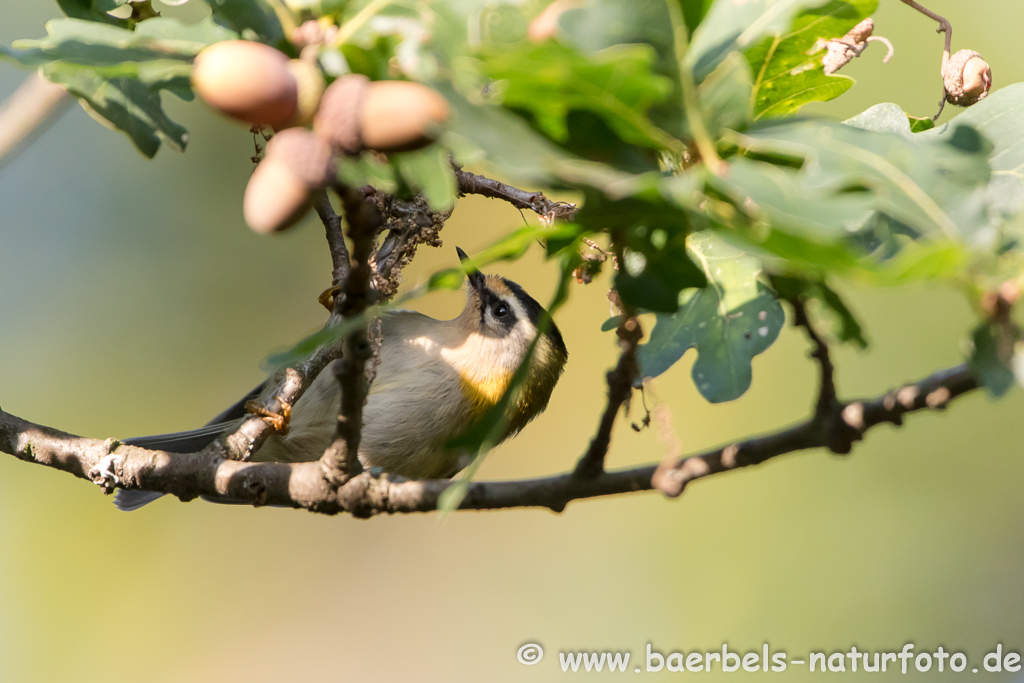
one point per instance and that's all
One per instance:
(471, 183)
(303, 485)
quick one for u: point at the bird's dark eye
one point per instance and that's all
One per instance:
(500, 310)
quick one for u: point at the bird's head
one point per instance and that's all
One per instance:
(502, 310)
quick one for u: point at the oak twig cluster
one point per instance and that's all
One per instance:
(336, 483)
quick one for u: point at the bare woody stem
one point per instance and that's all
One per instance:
(620, 388)
(341, 460)
(335, 238)
(944, 27)
(470, 183)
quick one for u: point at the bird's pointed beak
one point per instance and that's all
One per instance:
(476, 278)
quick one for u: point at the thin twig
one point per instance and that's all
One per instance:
(302, 485)
(35, 103)
(471, 183)
(620, 388)
(335, 238)
(340, 461)
(944, 27)
(827, 399)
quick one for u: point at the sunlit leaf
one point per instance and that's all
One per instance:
(737, 25)
(787, 67)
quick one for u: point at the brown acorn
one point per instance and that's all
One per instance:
(967, 78)
(385, 116)
(280, 191)
(257, 84)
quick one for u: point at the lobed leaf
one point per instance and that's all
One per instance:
(733, 319)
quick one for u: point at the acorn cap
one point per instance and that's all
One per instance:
(306, 155)
(967, 78)
(248, 81)
(280, 191)
(337, 119)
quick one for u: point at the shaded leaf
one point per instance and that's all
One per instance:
(89, 43)
(123, 103)
(844, 324)
(657, 265)
(616, 83)
(725, 96)
(251, 19)
(787, 67)
(992, 356)
(1000, 118)
(733, 319)
(91, 10)
(430, 171)
(936, 187)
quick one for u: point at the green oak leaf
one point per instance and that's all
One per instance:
(657, 264)
(122, 103)
(1000, 118)
(787, 67)
(251, 19)
(733, 319)
(91, 10)
(992, 356)
(736, 26)
(936, 187)
(430, 171)
(550, 80)
(845, 326)
(724, 96)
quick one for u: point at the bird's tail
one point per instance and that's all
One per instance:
(133, 500)
(178, 442)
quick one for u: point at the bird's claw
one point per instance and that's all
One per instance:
(279, 421)
(326, 297)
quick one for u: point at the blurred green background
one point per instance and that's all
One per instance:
(133, 300)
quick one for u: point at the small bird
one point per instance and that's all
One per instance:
(434, 380)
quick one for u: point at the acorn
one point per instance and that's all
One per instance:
(967, 78)
(544, 26)
(385, 116)
(280, 191)
(257, 84)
